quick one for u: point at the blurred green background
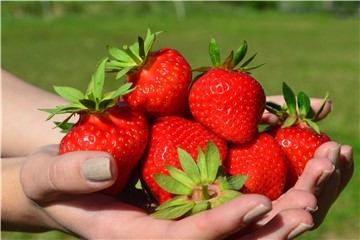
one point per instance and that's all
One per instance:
(312, 46)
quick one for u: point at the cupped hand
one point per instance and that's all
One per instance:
(324, 178)
(67, 189)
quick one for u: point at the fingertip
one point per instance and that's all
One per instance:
(325, 148)
(346, 153)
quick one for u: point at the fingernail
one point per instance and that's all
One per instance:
(303, 227)
(256, 212)
(312, 210)
(97, 169)
(325, 175)
(348, 158)
(273, 119)
(334, 155)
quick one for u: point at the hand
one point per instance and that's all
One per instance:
(67, 192)
(323, 179)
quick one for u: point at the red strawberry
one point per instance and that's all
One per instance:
(104, 125)
(226, 100)
(161, 78)
(263, 161)
(296, 132)
(166, 135)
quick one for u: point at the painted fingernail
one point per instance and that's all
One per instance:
(325, 175)
(303, 227)
(334, 155)
(312, 210)
(97, 169)
(256, 212)
(273, 119)
(348, 157)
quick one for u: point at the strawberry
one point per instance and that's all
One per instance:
(199, 187)
(296, 131)
(226, 99)
(161, 78)
(104, 124)
(166, 135)
(263, 161)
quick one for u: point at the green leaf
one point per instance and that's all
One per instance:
(227, 64)
(171, 185)
(139, 185)
(123, 71)
(98, 80)
(189, 166)
(303, 104)
(290, 99)
(321, 108)
(213, 161)
(133, 53)
(176, 201)
(118, 54)
(248, 61)
(214, 53)
(174, 211)
(200, 207)
(313, 126)
(69, 93)
(64, 126)
(105, 103)
(150, 40)
(70, 108)
(225, 197)
(180, 176)
(247, 69)
(201, 162)
(116, 65)
(122, 90)
(239, 54)
(273, 108)
(237, 181)
(141, 48)
(89, 104)
(291, 120)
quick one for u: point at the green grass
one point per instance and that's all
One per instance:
(313, 53)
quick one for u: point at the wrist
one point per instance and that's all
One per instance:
(18, 212)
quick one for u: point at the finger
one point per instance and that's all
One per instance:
(315, 174)
(269, 118)
(102, 217)
(46, 174)
(224, 220)
(288, 224)
(292, 199)
(327, 197)
(335, 183)
(346, 166)
(341, 157)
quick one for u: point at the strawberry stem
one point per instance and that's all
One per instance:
(133, 56)
(205, 192)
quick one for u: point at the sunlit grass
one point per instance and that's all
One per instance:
(313, 53)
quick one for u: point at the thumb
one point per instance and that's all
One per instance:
(45, 174)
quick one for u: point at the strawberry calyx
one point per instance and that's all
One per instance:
(230, 63)
(200, 186)
(93, 101)
(296, 110)
(130, 58)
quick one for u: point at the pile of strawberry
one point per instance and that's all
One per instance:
(162, 119)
